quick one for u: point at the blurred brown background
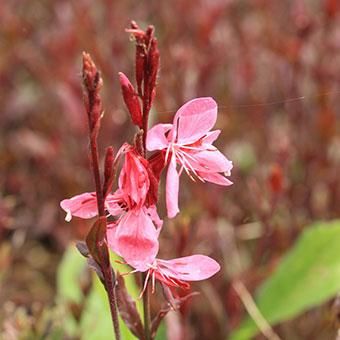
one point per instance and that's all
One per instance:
(272, 66)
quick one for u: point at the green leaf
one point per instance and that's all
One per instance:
(68, 275)
(96, 321)
(161, 333)
(307, 276)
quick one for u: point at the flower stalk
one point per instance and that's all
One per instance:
(92, 84)
(134, 229)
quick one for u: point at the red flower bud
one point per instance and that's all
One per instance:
(153, 64)
(131, 100)
(108, 171)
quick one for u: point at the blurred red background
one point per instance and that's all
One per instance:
(272, 66)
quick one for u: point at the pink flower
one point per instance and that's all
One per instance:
(83, 205)
(133, 181)
(134, 236)
(188, 142)
(134, 177)
(177, 272)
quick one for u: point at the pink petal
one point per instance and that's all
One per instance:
(134, 178)
(156, 138)
(136, 239)
(215, 177)
(211, 137)
(152, 212)
(114, 203)
(111, 236)
(211, 161)
(83, 205)
(172, 187)
(189, 268)
(194, 119)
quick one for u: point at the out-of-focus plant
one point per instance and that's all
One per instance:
(128, 221)
(307, 276)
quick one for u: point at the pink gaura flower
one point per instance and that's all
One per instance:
(83, 206)
(134, 177)
(134, 236)
(133, 182)
(180, 271)
(188, 143)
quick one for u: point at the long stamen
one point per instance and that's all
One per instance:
(183, 155)
(128, 273)
(167, 277)
(153, 282)
(203, 147)
(145, 284)
(168, 151)
(185, 165)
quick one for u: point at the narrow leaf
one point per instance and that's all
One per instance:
(128, 310)
(96, 243)
(307, 276)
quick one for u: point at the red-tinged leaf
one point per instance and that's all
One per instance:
(128, 310)
(96, 267)
(83, 249)
(96, 243)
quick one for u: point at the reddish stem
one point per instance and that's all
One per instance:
(93, 83)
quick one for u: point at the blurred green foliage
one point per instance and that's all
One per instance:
(307, 276)
(94, 322)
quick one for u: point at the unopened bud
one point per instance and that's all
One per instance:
(153, 65)
(91, 76)
(131, 100)
(92, 83)
(108, 171)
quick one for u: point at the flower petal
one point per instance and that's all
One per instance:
(83, 205)
(189, 268)
(215, 177)
(156, 138)
(152, 212)
(194, 119)
(114, 203)
(136, 239)
(134, 178)
(172, 187)
(211, 137)
(111, 236)
(211, 161)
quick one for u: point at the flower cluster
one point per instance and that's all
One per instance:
(186, 145)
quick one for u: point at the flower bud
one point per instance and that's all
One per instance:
(131, 100)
